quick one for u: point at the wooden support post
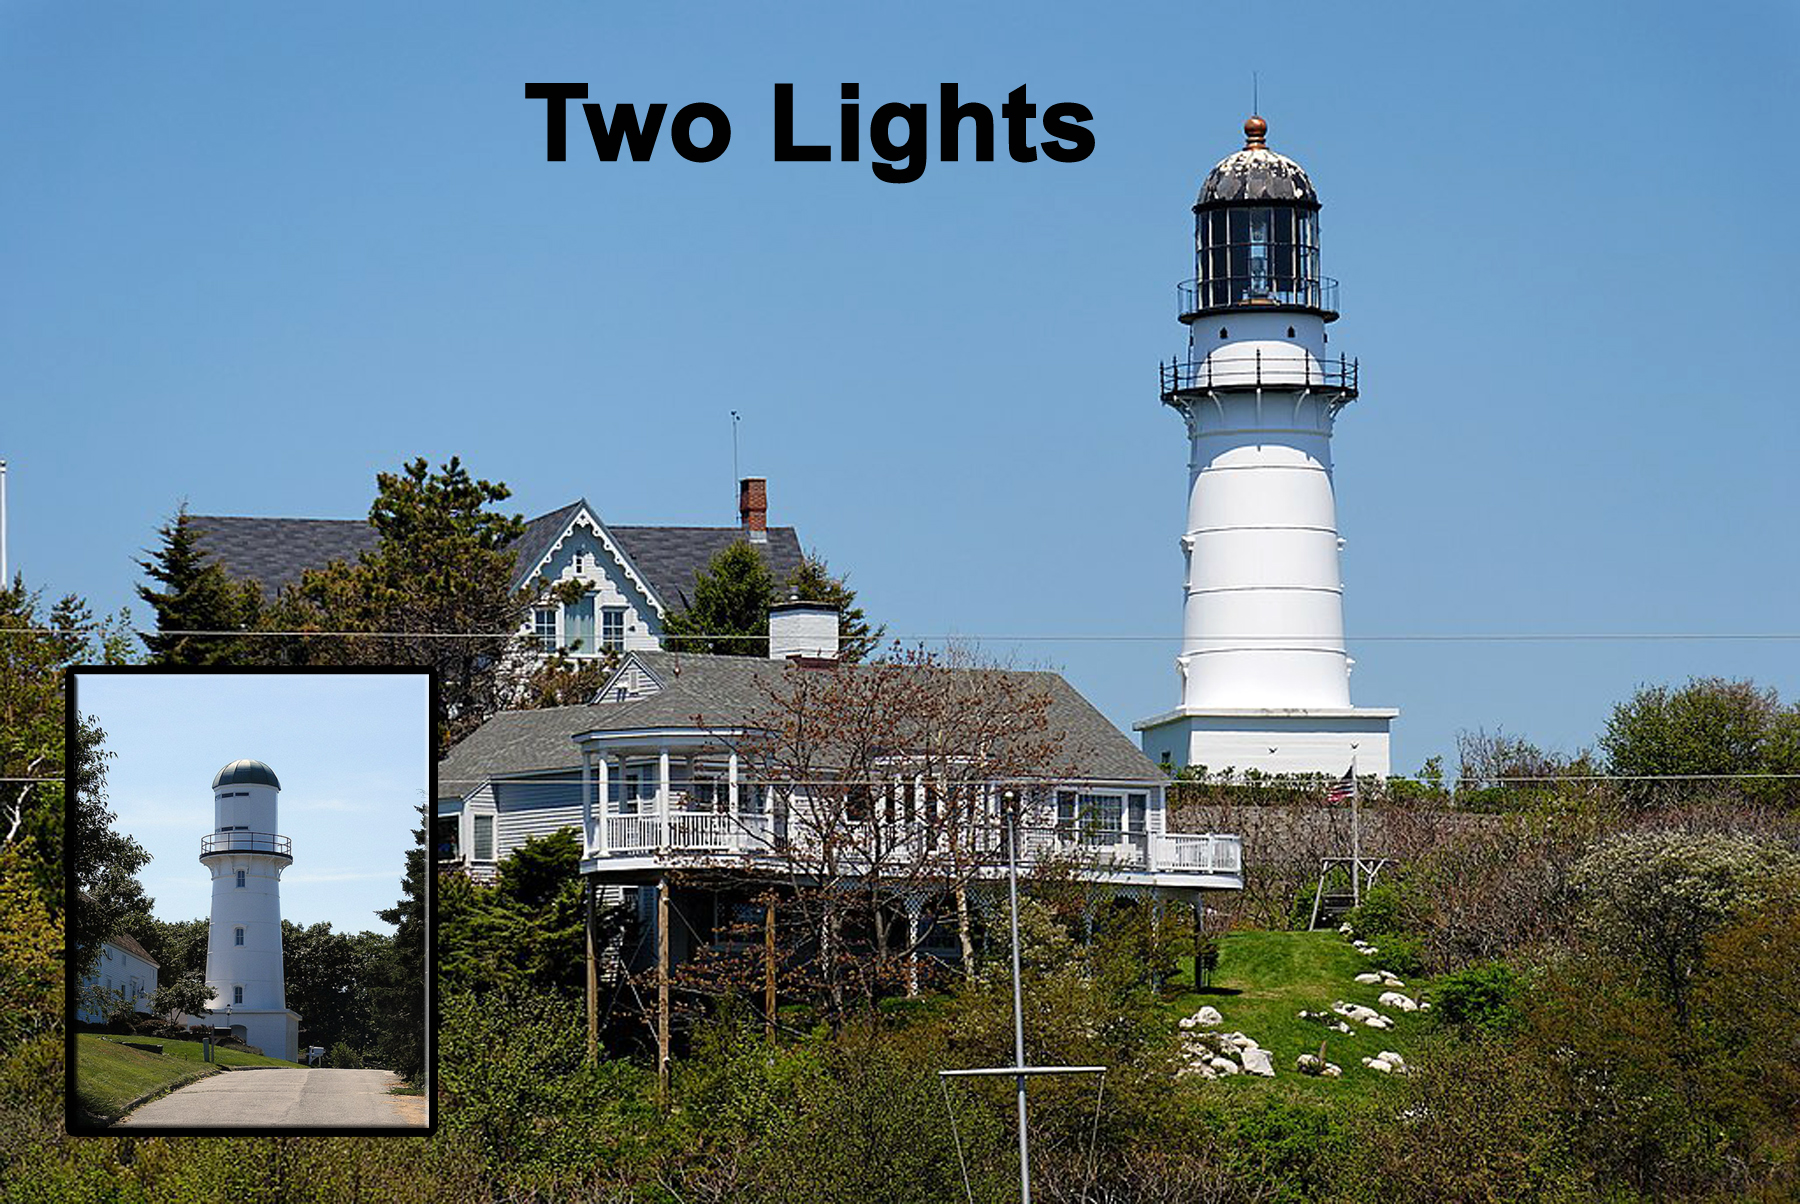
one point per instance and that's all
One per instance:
(593, 980)
(769, 967)
(662, 989)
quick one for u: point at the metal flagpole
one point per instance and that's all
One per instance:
(1355, 839)
(5, 581)
(1010, 800)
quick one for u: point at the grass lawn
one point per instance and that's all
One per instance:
(109, 1076)
(191, 1051)
(1262, 982)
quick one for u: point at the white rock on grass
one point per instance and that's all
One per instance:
(1394, 999)
(1388, 980)
(1224, 1065)
(1379, 1065)
(1258, 1061)
(1208, 1016)
(1314, 1065)
(1393, 1059)
(1345, 929)
(1354, 1011)
(1381, 1022)
(1369, 978)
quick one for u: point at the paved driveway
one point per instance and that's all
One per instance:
(261, 1099)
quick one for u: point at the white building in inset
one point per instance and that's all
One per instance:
(1265, 680)
(245, 855)
(123, 967)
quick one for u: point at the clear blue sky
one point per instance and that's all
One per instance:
(350, 751)
(254, 255)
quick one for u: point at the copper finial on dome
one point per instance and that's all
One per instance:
(1254, 130)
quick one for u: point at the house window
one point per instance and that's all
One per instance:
(240, 877)
(1102, 817)
(1065, 812)
(1137, 812)
(578, 625)
(612, 627)
(543, 627)
(484, 838)
(237, 994)
(237, 936)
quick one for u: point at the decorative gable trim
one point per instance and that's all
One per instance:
(585, 516)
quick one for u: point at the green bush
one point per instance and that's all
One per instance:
(1397, 954)
(1479, 998)
(343, 1057)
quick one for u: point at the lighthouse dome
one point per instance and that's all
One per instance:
(1257, 173)
(246, 773)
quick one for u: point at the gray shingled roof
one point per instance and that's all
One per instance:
(728, 692)
(274, 551)
(673, 556)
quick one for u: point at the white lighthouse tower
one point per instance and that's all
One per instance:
(1265, 681)
(243, 949)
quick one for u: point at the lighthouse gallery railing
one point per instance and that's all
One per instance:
(246, 842)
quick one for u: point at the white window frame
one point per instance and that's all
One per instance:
(237, 995)
(237, 936)
(544, 625)
(475, 837)
(609, 616)
(240, 879)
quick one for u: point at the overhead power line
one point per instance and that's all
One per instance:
(1006, 637)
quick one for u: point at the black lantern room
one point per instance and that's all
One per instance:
(1256, 236)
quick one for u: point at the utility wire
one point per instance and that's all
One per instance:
(950, 637)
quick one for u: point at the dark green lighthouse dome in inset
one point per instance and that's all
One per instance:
(246, 773)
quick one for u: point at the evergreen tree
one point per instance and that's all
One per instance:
(196, 596)
(436, 590)
(729, 615)
(397, 995)
(812, 582)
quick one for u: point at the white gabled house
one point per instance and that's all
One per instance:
(660, 775)
(633, 577)
(124, 967)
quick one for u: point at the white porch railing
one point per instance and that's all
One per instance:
(897, 843)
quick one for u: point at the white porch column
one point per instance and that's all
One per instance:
(587, 803)
(662, 793)
(731, 781)
(601, 792)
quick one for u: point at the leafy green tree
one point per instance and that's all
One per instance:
(195, 596)
(524, 933)
(185, 995)
(812, 581)
(178, 947)
(36, 647)
(1653, 898)
(104, 862)
(322, 970)
(729, 615)
(1707, 731)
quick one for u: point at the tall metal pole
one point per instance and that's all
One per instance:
(662, 989)
(5, 580)
(1009, 800)
(1355, 839)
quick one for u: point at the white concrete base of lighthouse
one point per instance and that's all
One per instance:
(276, 1033)
(1275, 740)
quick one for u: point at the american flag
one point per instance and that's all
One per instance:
(1344, 789)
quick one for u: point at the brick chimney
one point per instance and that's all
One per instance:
(753, 508)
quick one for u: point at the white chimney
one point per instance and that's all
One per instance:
(803, 629)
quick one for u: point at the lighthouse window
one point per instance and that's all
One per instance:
(240, 877)
(237, 994)
(237, 936)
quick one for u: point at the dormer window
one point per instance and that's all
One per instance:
(543, 627)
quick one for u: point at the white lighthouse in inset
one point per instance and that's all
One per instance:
(246, 855)
(1265, 680)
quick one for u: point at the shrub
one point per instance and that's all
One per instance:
(343, 1057)
(1482, 998)
(1654, 898)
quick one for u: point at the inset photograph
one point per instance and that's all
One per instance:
(248, 947)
